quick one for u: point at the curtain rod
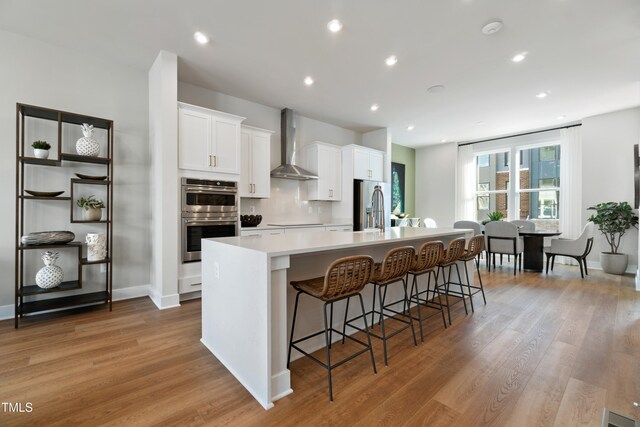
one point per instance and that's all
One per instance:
(519, 134)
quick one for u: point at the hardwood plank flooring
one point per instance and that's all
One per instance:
(545, 350)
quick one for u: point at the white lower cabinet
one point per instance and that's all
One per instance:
(304, 230)
(340, 228)
(261, 231)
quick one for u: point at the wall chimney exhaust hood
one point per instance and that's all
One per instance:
(289, 150)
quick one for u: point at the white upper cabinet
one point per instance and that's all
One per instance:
(255, 166)
(326, 161)
(209, 140)
(368, 164)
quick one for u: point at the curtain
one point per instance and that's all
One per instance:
(465, 184)
(570, 182)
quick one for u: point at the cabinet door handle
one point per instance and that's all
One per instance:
(215, 161)
(210, 160)
(253, 186)
(250, 188)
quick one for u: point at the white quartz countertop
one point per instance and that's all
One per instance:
(300, 243)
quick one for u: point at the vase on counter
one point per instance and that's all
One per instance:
(87, 145)
(96, 246)
(50, 275)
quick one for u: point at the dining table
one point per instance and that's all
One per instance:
(533, 259)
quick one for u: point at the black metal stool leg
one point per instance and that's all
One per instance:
(330, 324)
(293, 326)
(366, 330)
(436, 292)
(464, 300)
(415, 286)
(344, 324)
(373, 307)
(446, 293)
(328, 348)
(384, 297)
(480, 280)
(466, 273)
(413, 332)
(384, 335)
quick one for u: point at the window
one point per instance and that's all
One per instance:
(522, 182)
(539, 186)
(493, 184)
(483, 161)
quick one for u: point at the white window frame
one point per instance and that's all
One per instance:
(477, 193)
(518, 190)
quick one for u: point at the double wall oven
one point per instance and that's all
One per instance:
(209, 209)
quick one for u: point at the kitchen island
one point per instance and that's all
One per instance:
(247, 303)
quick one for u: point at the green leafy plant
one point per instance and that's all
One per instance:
(41, 145)
(90, 203)
(613, 220)
(495, 216)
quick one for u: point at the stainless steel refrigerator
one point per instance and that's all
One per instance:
(362, 192)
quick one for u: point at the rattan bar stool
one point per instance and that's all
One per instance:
(475, 246)
(453, 253)
(344, 279)
(427, 261)
(393, 269)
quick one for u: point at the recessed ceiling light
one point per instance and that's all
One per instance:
(391, 61)
(492, 27)
(201, 37)
(435, 89)
(519, 57)
(334, 25)
(443, 140)
(410, 127)
(308, 80)
(374, 107)
(480, 123)
(561, 117)
(542, 95)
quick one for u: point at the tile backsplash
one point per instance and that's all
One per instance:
(288, 204)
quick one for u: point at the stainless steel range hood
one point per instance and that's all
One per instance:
(289, 150)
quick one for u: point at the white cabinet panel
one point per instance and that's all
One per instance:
(195, 136)
(255, 170)
(261, 231)
(304, 230)
(340, 228)
(208, 140)
(376, 165)
(244, 184)
(361, 164)
(326, 161)
(368, 164)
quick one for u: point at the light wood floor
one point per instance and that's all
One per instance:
(545, 350)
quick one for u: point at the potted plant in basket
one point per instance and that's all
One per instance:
(92, 208)
(613, 220)
(41, 149)
(493, 216)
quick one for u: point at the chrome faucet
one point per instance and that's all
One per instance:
(377, 208)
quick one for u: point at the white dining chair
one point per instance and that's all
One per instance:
(524, 225)
(429, 223)
(502, 237)
(577, 249)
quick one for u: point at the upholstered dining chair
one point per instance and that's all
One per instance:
(524, 225)
(577, 249)
(475, 226)
(429, 223)
(502, 237)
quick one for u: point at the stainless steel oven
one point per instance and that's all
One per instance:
(209, 209)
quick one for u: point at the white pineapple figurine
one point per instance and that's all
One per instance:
(87, 145)
(50, 275)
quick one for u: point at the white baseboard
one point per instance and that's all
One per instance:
(6, 312)
(631, 269)
(131, 292)
(164, 301)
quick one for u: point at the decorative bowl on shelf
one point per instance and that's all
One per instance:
(44, 193)
(250, 220)
(47, 238)
(91, 177)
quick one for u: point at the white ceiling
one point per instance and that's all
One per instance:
(586, 53)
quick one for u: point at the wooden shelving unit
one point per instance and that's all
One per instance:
(28, 296)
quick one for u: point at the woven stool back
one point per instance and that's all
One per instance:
(347, 276)
(395, 264)
(475, 246)
(429, 256)
(454, 251)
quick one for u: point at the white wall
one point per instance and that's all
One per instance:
(607, 151)
(436, 183)
(39, 73)
(288, 198)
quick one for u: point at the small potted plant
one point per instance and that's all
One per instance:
(493, 216)
(41, 149)
(92, 208)
(613, 220)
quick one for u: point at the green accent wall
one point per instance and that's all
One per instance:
(407, 156)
